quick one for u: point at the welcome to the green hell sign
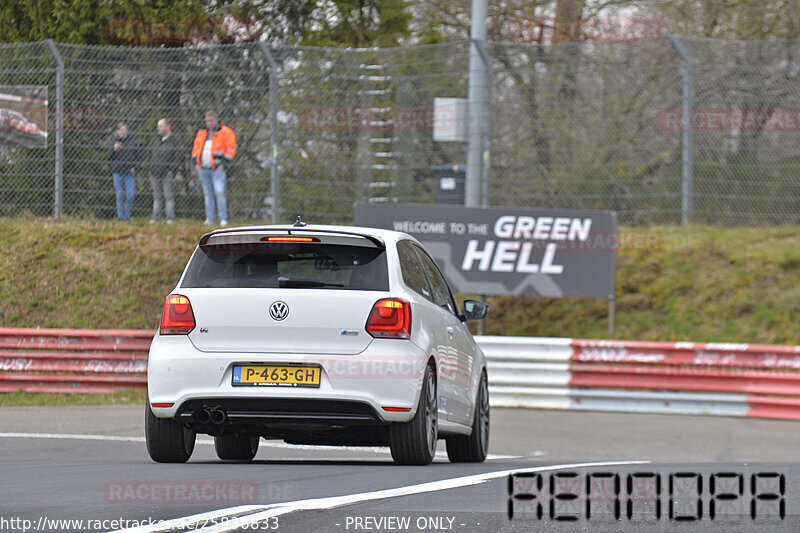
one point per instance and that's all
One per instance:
(510, 251)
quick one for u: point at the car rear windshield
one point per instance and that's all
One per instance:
(289, 265)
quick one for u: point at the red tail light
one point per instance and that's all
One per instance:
(390, 318)
(177, 318)
(282, 238)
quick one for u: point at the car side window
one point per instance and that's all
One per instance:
(413, 273)
(441, 292)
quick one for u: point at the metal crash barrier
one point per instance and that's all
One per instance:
(722, 379)
(73, 361)
(648, 377)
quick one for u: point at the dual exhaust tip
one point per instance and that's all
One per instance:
(214, 415)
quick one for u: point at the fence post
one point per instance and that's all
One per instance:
(58, 200)
(273, 132)
(486, 124)
(476, 111)
(687, 143)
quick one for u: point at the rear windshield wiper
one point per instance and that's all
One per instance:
(303, 283)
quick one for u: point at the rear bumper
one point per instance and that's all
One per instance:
(281, 411)
(386, 374)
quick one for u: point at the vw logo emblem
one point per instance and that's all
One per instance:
(279, 311)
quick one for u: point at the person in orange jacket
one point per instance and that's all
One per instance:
(214, 146)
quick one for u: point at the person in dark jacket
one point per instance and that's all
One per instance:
(163, 163)
(124, 157)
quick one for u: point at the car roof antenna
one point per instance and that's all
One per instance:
(299, 222)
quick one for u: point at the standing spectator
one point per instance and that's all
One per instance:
(124, 157)
(214, 146)
(164, 162)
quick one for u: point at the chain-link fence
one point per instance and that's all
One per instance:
(656, 130)
(747, 159)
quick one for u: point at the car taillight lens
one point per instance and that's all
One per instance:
(390, 318)
(177, 318)
(290, 238)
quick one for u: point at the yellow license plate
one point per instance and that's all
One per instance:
(276, 376)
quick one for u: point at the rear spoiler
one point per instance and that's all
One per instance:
(375, 240)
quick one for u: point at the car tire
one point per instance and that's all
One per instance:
(236, 447)
(168, 441)
(414, 442)
(473, 449)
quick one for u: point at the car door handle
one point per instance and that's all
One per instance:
(450, 332)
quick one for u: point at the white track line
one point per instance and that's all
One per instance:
(69, 436)
(269, 444)
(235, 521)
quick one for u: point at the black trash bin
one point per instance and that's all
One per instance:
(449, 183)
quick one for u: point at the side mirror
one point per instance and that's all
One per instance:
(474, 310)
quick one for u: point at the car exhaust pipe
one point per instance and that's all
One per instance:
(218, 416)
(202, 416)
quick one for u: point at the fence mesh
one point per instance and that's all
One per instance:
(357, 125)
(591, 125)
(577, 126)
(26, 174)
(747, 132)
(138, 86)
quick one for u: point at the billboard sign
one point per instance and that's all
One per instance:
(450, 124)
(23, 115)
(543, 252)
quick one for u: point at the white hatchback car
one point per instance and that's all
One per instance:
(327, 335)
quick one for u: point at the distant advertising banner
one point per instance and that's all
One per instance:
(23, 115)
(543, 252)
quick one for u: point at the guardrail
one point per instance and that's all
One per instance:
(73, 361)
(548, 373)
(649, 377)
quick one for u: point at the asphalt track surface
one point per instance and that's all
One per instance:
(90, 464)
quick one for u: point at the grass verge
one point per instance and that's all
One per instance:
(673, 283)
(22, 399)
